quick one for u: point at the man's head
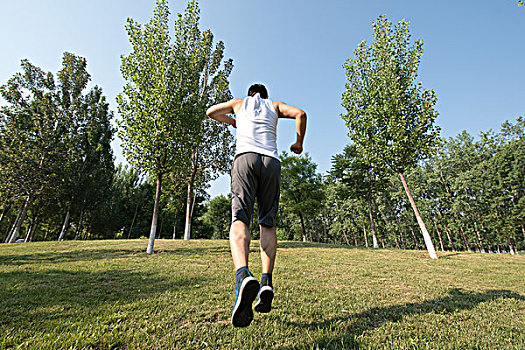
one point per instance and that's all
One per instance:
(258, 88)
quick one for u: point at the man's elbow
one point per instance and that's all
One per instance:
(302, 115)
(210, 112)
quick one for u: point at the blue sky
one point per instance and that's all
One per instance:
(474, 54)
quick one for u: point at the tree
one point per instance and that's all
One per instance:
(158, 117)
(218, 216)
(88, 170)
(389, 117)
(301, 192)
(361, 179)
(54, 143)
(30, 134)
(212, 146)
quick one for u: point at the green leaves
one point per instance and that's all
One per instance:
(389, 117)
(168, 87)
(54, 138)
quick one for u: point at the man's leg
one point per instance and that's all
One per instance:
(246, 285)
(268, 251)
(240, 243)
(268, 248)
(268, 197)
(243, 187)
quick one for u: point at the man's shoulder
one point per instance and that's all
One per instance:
(277, 105)
(236, 104)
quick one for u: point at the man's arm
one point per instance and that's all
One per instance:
(291, 112)
(220, 111)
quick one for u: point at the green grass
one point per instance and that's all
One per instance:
(112, 295)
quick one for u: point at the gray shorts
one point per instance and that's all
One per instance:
(255, 176)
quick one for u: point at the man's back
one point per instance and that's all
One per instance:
(257, 127)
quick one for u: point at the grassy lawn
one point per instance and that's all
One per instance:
(112, 295)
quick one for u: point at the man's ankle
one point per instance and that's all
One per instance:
(241, 274)
(266, 279)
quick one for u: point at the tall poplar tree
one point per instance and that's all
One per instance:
(389, 117)
(165, 96)
(212, 146)
(31, 139)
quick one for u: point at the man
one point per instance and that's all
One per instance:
(255, 174)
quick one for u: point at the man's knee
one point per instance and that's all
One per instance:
(238, 229)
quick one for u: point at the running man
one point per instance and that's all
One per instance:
(255, 174)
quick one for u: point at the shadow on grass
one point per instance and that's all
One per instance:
(197, 250)
(67, 256)
(295, 244)
(102, 254)
(358, 324)
(54, 293)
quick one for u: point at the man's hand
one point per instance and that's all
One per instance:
(287, 111)
(297, 148)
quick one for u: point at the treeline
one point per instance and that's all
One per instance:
(470, 194)
(55, 154)
(58, 179)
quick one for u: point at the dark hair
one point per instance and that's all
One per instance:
(258, 88)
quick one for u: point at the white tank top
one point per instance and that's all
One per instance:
(257, 127)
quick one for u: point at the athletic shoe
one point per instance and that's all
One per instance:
(264, 299)
(245, 294)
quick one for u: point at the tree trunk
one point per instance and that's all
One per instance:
(345, 236)
(189, 204)
(20, 220)
(133, 221)
(8, 232)
(153, 229)
(465, 242)
(365, 234)
(175, 224)
(402, 238)
(324, 231)
(33, 230)
(416, 244)
(426, 236)
(499, 241)
(5, 210)
(484, 234)
(449, 236)
(12, 225)
(45, 234)
(372, 223)
(28, 233)
(397, 242)
(34, 222)
(480, 241)
(512, 249)
(401, 235)
(439, 234)
(302, 226)
(66, 222)
(80, 220)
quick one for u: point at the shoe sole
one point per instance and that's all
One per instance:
(242, 314)
(264, 304)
